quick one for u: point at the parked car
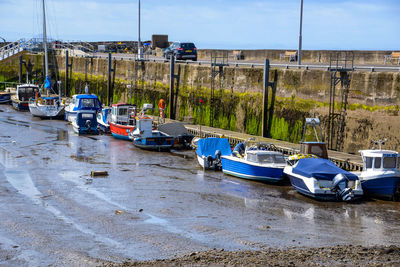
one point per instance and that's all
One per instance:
(181, 51)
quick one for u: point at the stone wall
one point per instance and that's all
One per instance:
(373, 110)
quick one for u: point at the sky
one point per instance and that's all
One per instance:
(217, 24)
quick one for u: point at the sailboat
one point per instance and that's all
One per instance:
(48, 106)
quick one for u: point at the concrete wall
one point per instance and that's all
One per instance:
(308, 56)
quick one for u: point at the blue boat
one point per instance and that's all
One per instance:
(323, 180)
(85, 122)
(5, 97)
(103, 119)
(209, 152)
(146, 138)
(380, 177)
(254, 162)
(82, 102)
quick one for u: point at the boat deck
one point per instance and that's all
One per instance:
(343, 160)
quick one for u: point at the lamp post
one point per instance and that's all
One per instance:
(300, 35)
(140, 49)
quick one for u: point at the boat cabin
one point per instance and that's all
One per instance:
(265, 157)
(379, 160)
(318, 147)
(26, 91)
(86, 102)
(123, 114)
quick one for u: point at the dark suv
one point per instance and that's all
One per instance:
(181, 51)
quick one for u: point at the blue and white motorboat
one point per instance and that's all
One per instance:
(323, 180)
(103, 120)
(85, 122)
(254, 162)
(82, 102)
(146, 138)
(209, 152)
(380, 176)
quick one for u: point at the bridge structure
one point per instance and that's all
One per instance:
(35, 45)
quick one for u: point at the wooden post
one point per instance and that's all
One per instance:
(67, 66)
(109, 96)
(20, 70)
(171, 87)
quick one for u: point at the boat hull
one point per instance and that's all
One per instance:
(242, 169)
(381, 187)
(121, 131)
(104, 128)
(154, 143)
(5, 98)
(20, 105)
(46, 111)
(307, 186)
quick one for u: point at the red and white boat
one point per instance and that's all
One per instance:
(122, 120)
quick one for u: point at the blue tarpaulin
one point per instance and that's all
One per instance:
(208, 146)
(323, 169)
(47, 83)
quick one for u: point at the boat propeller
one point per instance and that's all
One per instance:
(340, 187)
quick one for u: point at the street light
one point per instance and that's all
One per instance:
(300, 37)
(140, 49)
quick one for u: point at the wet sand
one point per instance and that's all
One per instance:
(155, 206)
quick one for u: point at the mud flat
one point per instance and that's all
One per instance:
(341, 255)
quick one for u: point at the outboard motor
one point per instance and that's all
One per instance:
(209, 162)
(339, 185)
(217, 160)
(88, 124)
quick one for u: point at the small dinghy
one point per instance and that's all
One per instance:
(146, 138)
(85, 122)
(255, 162)
(210, 150)
(323, 180)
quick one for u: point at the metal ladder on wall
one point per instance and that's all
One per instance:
(341, 68)
(218, 62)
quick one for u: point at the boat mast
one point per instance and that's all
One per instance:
(46, 63)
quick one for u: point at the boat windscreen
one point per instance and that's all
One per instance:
(270, 158)
(123, 111)
(389, 162)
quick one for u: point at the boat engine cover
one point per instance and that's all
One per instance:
(339, 186)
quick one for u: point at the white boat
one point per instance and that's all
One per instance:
(20, 100)
(81, 102)
(46, 107)
(323, 180)
(380, 176)
(209, 152)
(255, 162)
(49, 106)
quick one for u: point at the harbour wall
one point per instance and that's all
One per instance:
(307, 56)
(373, 109)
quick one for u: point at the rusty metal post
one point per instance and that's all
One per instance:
(265, 99)
(171, 87)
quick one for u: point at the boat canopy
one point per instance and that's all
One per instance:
(86, 102)
(208, 146)
(321, 169)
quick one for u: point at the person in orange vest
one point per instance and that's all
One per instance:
(161, 106)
